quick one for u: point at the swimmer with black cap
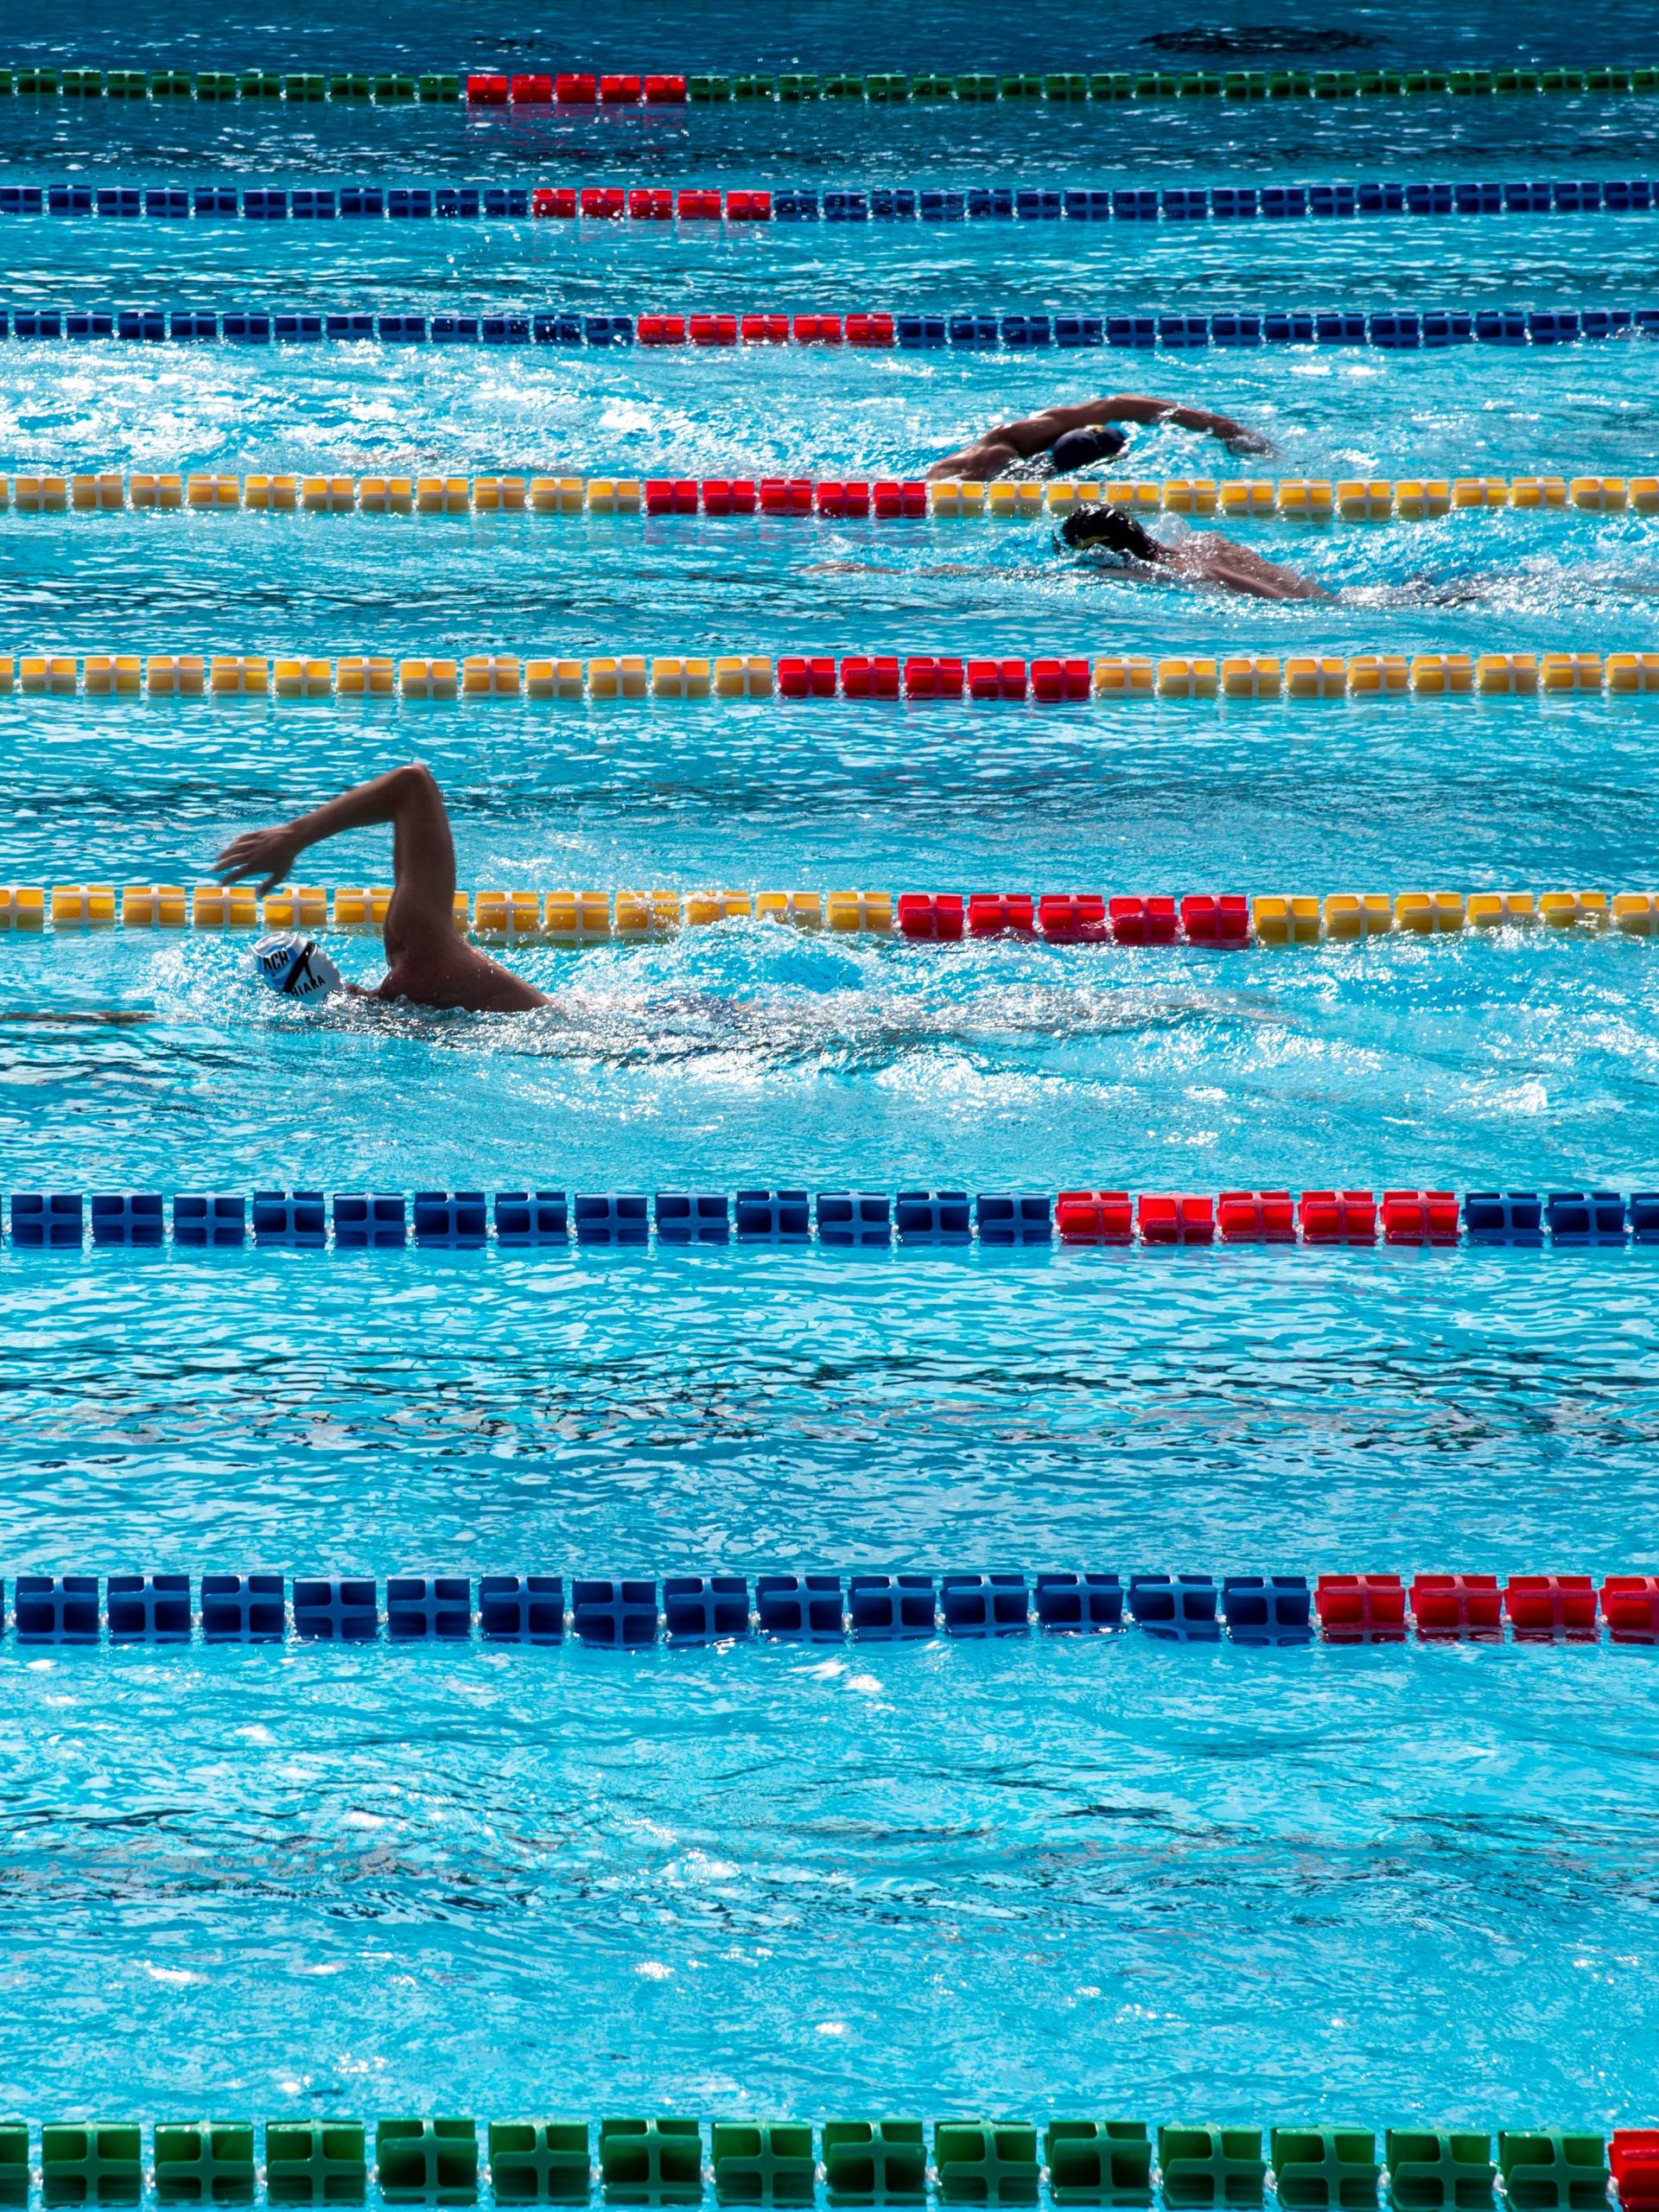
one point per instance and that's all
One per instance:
(1121, 543)
(428, 959)
(1062, 439)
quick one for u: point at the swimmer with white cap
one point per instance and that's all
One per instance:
(428, 959)
(1062, 439)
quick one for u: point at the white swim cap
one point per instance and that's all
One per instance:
(292, 966)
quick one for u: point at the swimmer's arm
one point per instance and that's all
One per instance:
(424, 853)
(1032, 435)
(1024, 440)
(986, 458)
(270, 853)
(1140, 407)
(1008, 442)
(1235, 568)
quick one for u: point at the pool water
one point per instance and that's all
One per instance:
(1394, 1884)
(1144, 1878)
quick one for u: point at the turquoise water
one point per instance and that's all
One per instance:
(1390, 1884)
(1169, 1881)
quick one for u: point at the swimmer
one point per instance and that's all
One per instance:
(1062, 439)
(1202, 558)
(428, 960)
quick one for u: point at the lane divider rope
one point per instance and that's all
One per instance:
(298, 87)
(629, 1611)
(1292, 499)
(576, 88)
(1000, 2162)
(1392, 330)
(589, 89)
(862, 1219)
(860, 204)
(1209, 920)
(1225, 676)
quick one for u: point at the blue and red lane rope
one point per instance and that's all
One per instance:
(550, 1220)
(623, 1611)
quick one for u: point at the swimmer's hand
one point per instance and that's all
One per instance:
(267, 852)
(1237, 439)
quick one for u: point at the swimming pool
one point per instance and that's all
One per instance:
(1407, 1884)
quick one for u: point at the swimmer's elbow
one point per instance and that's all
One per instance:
(415, 781)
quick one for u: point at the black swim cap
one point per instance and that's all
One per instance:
(1077, 448)
(1114, 531)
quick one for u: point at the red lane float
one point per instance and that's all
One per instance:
(1094, 1216)
(801, 678)
(643, 203)
(852, 498)
(1072, 918)
(1452, 1606)
(997, 679)
(764, 329)
(867, 675)
(931, 678)
(938, 919)
(1141, 921)
(662, 498)
(736, 495)
(1361, 1608)
(1420, 1218)
(1223, 921)
(1633, 2157)
(574, 88)
(1002, 913)
(1257, 1218)
(1629, 1605)
(1547, 1605)
(1164, 1219)
(1338, 1218)
(1052, 680)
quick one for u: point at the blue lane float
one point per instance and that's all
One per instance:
(1389, 330)
(267, 203)
(629, 1612)
(555, 1220)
